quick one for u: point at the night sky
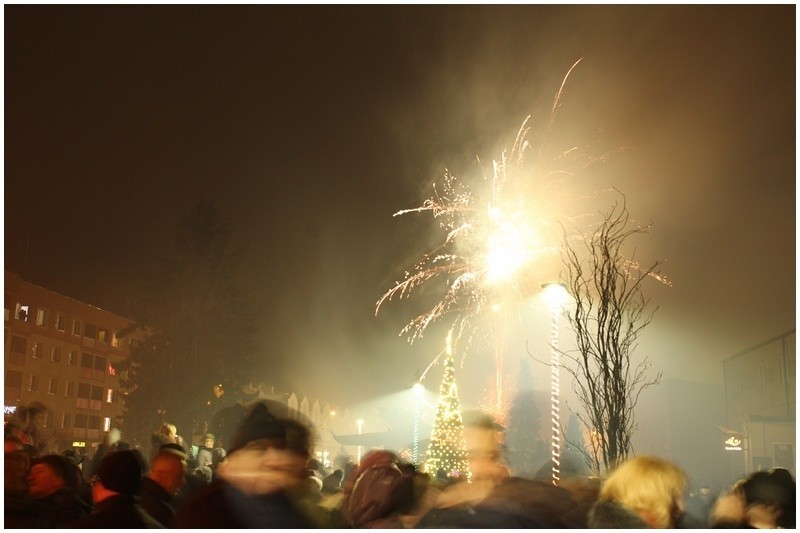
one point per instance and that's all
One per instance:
(309, 126)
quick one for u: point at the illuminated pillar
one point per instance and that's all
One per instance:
(417, 391)
(556, 295)
(360, 424)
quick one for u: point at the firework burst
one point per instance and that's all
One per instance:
(496, 231)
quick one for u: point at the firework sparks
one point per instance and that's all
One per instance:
(497, 233)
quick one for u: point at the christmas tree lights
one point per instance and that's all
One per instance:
(447, 450)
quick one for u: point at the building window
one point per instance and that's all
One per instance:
(52, 386)
(48, 419)
(73, 358)
(106, 423)
(33, 383)
(76, 327)
(111, 396)
(90, 331)
(55, 354)
(41, 317)
(65, 421)
(102, 335)
(69, 390)
(86, 365)
(84, 391)
(61, 322)
(114, 340)
(99, 368)
(13, 385)
(19, 344)
(21, 312)
(97, 399)
(111, 370)
(37, 350)
(80, 421)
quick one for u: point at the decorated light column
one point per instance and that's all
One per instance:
(556, 295)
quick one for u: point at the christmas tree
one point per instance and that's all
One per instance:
(447, 450)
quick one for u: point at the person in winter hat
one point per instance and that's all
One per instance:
(115, 490)
(261, 482)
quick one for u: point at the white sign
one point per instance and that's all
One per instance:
(733, 444)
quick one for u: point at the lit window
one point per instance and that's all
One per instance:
(61, 322)
(41, 317)
(109, 395)
(37, 350)
(106, 424)
(21, 312)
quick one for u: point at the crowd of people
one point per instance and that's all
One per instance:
(266, 477)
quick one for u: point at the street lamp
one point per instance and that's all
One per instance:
(360, 424)
(418, 389)
(556, 296)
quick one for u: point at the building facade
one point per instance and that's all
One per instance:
(760, 389)
(60, 352)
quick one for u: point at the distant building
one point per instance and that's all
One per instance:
(59, 351)
(760, 399)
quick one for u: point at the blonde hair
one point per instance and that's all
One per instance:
(647, 485)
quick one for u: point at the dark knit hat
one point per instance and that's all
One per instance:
(121, 471)
(62, 467)
(174, 448)
(267, 420)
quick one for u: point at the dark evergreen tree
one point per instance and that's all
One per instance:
(527, 452)
(199, 332)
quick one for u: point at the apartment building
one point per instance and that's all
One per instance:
(60, 351)
(760, 399)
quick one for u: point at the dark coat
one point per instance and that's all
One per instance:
(220, 505)
(607, 514)
(513, 504)
(118, 512)
(157, 502)
(53, 511)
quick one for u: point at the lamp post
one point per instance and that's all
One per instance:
(556, 296)
(360, 424)
(417, 391)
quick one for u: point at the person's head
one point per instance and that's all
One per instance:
(771, 496)
(120, 472)
(169, 430)
(168, 469)
(49, 474)
(208, 440)
(649, 486)
(484, 451)
(270, 450)
(12, 443)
